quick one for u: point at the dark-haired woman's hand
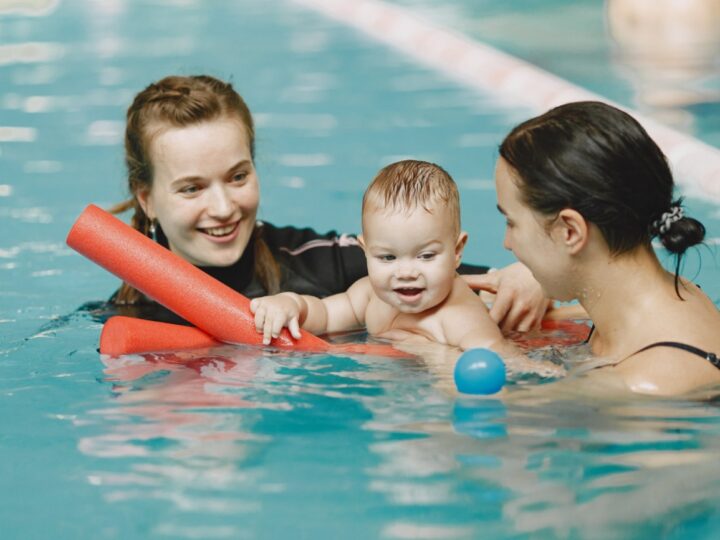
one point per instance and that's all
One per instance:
(519, 303)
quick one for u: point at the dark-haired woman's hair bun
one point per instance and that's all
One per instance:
(676, 231)
(684, 233)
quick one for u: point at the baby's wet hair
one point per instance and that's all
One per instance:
(409, 184)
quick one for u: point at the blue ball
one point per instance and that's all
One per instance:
(479, 371)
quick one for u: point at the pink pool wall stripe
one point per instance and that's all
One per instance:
(513, 81)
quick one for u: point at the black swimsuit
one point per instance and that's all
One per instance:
(710, 357)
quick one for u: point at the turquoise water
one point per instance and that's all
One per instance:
(236, 443)
(577, 40)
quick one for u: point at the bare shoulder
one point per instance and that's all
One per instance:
(360, 292)
(463, 297)
(362, 285)
(463, 306)
(465, 318)
(667, 371)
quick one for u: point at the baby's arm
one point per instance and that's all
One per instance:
(337, 313)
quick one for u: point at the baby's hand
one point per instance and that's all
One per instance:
(272, 313)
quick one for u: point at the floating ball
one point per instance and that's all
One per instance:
(479, 371)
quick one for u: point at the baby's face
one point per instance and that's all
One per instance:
(412, 256)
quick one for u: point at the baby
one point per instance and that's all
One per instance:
(413, 244)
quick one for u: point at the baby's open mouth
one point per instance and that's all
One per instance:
(408, 291)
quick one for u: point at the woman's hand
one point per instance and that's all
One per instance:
(519, 303)
(273, 313)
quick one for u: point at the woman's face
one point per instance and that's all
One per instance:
(528, 237)
(205, 190)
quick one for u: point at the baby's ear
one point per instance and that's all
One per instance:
(460, 246)
(361, 241)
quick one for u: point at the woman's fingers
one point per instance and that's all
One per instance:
(517, 314)
(482, 282)
(520, 302)
(500, 308)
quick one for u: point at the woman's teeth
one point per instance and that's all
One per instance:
(220, 231)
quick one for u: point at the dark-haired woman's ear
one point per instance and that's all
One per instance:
(572, 230)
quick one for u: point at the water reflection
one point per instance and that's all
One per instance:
(596, 468)
(175, 431)
(230, 430)
(168, 402)
(582, 457)
(233, 430)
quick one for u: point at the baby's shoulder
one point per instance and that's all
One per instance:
(462, 297)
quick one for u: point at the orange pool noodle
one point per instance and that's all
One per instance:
(173, 282)
(555, 332)
(127, 335)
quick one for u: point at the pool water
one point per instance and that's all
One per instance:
(243, 443)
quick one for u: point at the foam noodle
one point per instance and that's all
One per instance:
(173, 282)
(127, 335)
(554, 332)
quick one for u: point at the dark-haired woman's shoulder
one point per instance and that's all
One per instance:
(667, 371)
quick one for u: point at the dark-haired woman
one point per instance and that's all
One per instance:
(584, 190)
(189, 148)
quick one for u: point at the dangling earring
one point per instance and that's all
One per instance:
(153, 230)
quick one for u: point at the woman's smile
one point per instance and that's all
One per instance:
(221, 234)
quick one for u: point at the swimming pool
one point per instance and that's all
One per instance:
(240, 444)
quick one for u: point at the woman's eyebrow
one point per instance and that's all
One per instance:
(186, 179)
(500, 210)
(239, 164)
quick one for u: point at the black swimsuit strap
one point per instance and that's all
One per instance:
(592, 329)
(710, 357)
